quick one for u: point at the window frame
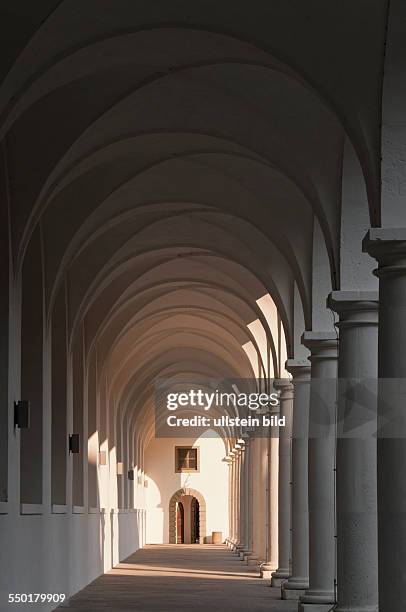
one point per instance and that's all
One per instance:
(179, 470)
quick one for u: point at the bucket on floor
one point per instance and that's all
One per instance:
(216, 537)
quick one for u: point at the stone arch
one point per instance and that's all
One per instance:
(172, 513)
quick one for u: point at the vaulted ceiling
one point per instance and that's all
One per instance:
(175, 157)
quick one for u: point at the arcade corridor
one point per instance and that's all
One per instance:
(204, 193)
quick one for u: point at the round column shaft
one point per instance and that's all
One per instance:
(299, 580)
(272, 504)
(284, 502)
(232, 487)
(245, 509)
(320, 595)
(238, 544)
(388, 247)
(243, 500)
(356, 479)
(250, 556)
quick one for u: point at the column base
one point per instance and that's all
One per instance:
(251, 559)
(291, 593)
(242, 553)
(315, 607)
(316, 601)
(294, 588)
(357, 609)
(266, 571)
(279, 576)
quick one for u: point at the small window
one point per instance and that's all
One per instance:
(186, 459)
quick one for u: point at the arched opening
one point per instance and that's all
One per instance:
(194, 521)
(187, 517)
(187, 520)
(180, 523)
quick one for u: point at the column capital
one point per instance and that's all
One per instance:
(284, 385)
(355, 307)
(388, 246)
(321, 344)
(299, 368)
(247, 441)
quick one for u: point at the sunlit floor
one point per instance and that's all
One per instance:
(180, 578)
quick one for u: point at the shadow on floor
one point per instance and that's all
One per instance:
(180, 578)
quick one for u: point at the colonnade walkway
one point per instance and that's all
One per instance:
(162, 578)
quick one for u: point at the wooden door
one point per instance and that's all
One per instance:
(195, 522)
(180, 523)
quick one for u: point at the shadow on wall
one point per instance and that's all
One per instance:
(127, 546)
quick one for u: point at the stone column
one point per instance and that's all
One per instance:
(247, 550)
(320, 596)
(234, 488)
(388, 247)
(356, 457)
(243, 502)
(248, 505)
(232, 496)
(227, 460)
(251, 557)
(284, 502)
(299, 580)
(272, 506)
(261, 502)
(243, 549)
(238, 545)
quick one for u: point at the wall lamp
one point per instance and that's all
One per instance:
(130, 474)
(74, 443)
(22, 414)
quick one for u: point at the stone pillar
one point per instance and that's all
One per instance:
(248, 500)
(232, 498)
(241, 512)
(251, 557)
(227, 460)
(247, 550)
(234, 472)
(388, 247)
(284, 502)
(243, 502)
(261, 500)
(356, 456)
(299, 580)
(238, 544)
(272, 505)
(320, 596)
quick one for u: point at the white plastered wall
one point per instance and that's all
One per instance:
(211, 482)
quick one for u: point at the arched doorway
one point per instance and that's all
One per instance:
(180, 523)
(187, 512)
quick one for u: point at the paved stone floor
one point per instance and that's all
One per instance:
(180, 578)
